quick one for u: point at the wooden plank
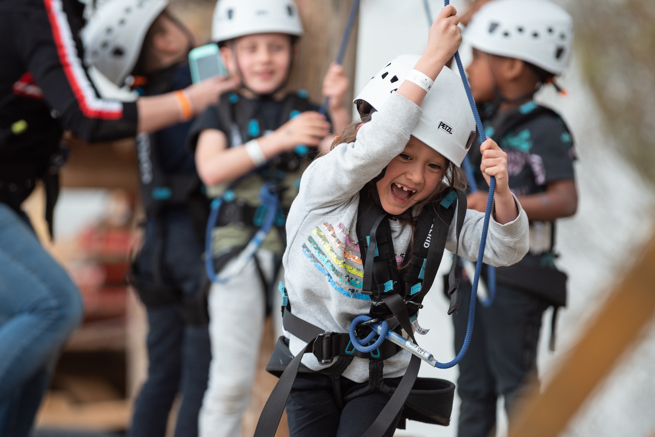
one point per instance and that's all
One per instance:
(107, 165)
(58, 411)
(618, 324)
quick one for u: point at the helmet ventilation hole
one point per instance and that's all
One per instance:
(492, 27)
(550, 30)
(519, 29)
(385, 74)
(230, 14)
(290, 10)
(562, 36)
(104, 44)
(109, 30)
(121, 22)
(128, 10)
(506, 34)
(394, 79)
(559, 52)
(535, 34)
(118, 52)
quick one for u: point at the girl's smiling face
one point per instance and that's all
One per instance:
(262, 59)
(411, 177)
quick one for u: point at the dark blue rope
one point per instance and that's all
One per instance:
(209, 232)
(485, 227)
(342, 48)
(361, 344)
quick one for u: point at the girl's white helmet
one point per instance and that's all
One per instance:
(447, 124)
(114, 35)
(536, 31)
(235, 18)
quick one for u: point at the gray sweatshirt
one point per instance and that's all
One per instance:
(322, 262)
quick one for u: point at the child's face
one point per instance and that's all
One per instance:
(263, 60)
(481, 77)
(411, 177)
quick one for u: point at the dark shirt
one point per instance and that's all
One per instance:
(539, 151)
(42, 37)
(268, 111)
(171, 153)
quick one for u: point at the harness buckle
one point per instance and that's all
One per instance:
(233, 212)
(323, 350)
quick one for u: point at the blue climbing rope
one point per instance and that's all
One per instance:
(362, 344)
(344, 44)
(491, 270)
(485, 227)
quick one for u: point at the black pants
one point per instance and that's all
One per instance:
(313, 412)
(178, 352)
(501, 359)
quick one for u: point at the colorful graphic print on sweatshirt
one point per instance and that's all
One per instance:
(338, 258)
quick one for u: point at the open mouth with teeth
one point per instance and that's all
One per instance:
(402, 192)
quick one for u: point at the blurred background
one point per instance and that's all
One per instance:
(611, 99)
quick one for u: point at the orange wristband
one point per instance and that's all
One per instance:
(185, 105)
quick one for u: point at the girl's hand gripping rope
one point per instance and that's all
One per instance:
(494, 164)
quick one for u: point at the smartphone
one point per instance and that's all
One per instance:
(205, 62)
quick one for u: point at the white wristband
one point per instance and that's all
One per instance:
(255, 152)
(420, 79)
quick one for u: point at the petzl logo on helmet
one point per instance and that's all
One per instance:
(445, 127)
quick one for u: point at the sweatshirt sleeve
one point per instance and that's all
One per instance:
(343, 172)
(506, 244)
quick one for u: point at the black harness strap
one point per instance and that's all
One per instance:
(369, 259)
(331, 345)
(453, 283)
(269, 420)
(397, 401)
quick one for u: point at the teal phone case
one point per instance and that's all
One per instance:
(205, 62)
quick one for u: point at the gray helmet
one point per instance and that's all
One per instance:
(447, 123)
(114, 36)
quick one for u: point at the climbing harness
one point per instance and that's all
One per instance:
(243, 121)
(396, 299)
(267, 213)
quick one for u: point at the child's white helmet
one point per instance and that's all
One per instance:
(114, 35)
(235, 18)
(536, 31)
(446, 125)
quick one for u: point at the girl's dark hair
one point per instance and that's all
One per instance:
(147, 46)
(454, 176)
